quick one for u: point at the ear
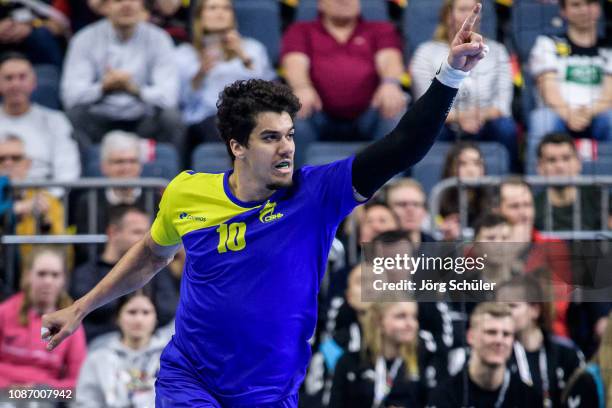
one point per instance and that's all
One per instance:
(238, 150)
(470, 337)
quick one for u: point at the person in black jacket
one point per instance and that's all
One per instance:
(541, 359)
(126, 226)
(391, 369)
(486, 382)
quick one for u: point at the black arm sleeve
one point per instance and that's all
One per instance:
(407, 144)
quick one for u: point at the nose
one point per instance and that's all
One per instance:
(287, 146)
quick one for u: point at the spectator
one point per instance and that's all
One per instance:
(217, 56)
(34, 211)
(406, 198)
(22, 30)
(541, 359)
(591, 386)
(378, 218)
(46, 134)
(464, 161)
(24, 361)
(345, 71)
(391, 334)
(173, 16)
(492, 227)
(120, 74)
(547, 258)
(483, 108)
(489, 382)
(574, 78)
(127, 225)
(558, 157)
(120, 158)
(122, 372)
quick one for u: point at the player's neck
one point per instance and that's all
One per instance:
(531, 339)
(246, 188)
(486, 376)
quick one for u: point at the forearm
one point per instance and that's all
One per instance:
(407, 144)
(549, 89)
(389, 64)
(296, 67)
(132, 272)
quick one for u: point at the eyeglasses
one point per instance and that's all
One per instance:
(119, 162)
(13, 157)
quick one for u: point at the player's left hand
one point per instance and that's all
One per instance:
(468, 47)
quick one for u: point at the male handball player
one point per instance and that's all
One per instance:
(257, 239)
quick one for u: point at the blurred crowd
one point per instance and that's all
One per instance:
(102, 88)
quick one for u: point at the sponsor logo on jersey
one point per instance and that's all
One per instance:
(267, 213)
(186, 216)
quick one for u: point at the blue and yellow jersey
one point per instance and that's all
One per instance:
(249, 289)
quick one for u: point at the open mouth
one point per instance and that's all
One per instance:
(283, 166)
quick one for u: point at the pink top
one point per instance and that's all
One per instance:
(344, 74)
(24, 359)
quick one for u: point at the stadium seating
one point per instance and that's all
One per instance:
(326, 152)
(421, 18)
(210, 158)
(531, 18)
(371, 10)
(165, 163)
(260, 19)
(429, 170)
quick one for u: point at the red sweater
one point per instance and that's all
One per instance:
(24, 359)
(554, 255)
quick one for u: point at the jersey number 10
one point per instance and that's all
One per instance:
(231, 237)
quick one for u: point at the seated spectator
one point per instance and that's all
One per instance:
(173, 16)
(574, 78)
(81, 13)
(24, 360)
(217, 56)
(407, 199)
(119, 73)
(591, 386)
(120, 158)
(127, 225)
(122, 372)
(46, 134)
(378, 217)
(345, 71)
(541, 359)
(547, 258)
(558, 157)
(489, 382)
(483, 108)
(34, 211)
(389, 371)
(23, 30)
(464, 161)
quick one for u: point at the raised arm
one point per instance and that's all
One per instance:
(133, 271)
(418, 128)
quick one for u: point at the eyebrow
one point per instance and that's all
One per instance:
(274, 132)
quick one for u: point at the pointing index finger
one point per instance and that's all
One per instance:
(468, 24)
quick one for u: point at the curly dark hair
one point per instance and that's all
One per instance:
(242, 101)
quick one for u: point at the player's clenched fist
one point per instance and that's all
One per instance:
(58, 325)
(468, 47)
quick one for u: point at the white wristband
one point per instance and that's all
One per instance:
(450, 76)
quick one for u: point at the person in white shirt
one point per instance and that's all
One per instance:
(573, 73)
(217, 56)
(46, 133)
(120, 73)
(483, 108)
